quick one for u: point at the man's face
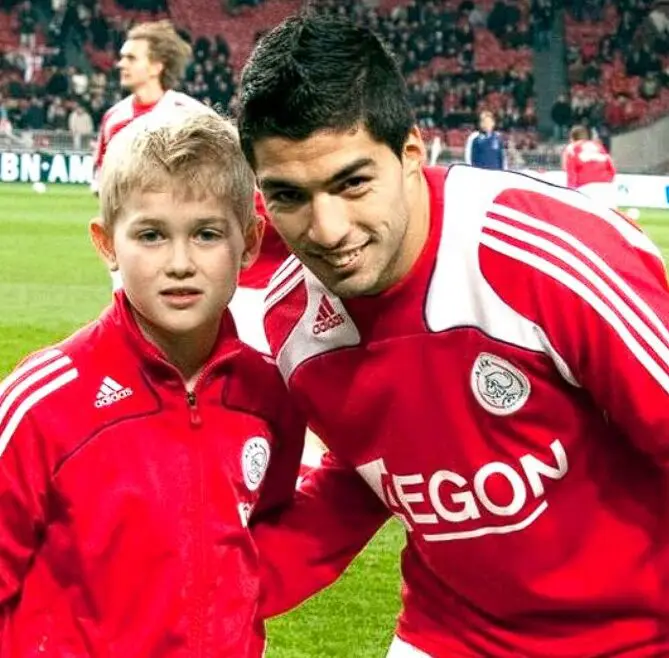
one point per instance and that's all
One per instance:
(135, 66)
(487, 123)
(179, 260)
(340, 202)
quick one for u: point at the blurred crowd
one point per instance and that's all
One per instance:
(622, 66)
(41, 91)
(40, 88)
(425, 30)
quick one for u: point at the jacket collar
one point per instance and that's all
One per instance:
(154, 361)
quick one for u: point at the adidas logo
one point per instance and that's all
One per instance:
(326, 317)
(110, 392)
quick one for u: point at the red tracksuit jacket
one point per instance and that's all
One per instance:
(124, 502)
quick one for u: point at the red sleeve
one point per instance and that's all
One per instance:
(307, 546)
(595, 285)
(23, 486)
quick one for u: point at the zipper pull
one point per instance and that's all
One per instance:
(195, 418)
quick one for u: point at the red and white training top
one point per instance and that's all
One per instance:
(587, 161)
(508, 402)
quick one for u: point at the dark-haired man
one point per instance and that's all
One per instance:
(486, 357)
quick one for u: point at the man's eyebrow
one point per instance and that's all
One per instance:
(269, 184)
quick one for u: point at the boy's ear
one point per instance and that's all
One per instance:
(103, 242)
(252, 241)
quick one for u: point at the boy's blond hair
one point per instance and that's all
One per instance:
(193, 153)
(166, 47)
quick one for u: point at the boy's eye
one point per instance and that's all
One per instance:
(149, 235)
(208, 234)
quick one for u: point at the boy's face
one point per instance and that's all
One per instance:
(179, 260)
(340, 200)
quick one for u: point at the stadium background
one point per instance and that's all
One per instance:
(540, 66)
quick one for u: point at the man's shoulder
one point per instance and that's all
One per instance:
(303, 319)
(528, 219)
(179, 99)
(285, 302)
(543, 233)
(120, 111)
(529, 199)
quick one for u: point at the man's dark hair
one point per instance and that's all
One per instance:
(315, 72)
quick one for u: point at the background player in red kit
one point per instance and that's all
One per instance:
(486, 357)
(133, 454)
(152, 62)
(589, 167)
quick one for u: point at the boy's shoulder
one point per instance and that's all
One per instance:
(256, 386)
(65, 393)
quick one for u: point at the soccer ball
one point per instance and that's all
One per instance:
(633, 214)
(39, 187)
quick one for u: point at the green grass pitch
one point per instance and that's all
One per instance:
(51, 283)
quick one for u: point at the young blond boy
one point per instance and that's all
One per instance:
(133, 454)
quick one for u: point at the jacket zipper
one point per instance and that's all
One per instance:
(191, 396)
(195, 418)
(200, 561)
(199, 610)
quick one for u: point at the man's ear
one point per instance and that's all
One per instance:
(103, 242)
(252, 241)
(414, 153)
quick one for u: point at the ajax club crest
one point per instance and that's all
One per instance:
(499, 387)
(255, 459)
